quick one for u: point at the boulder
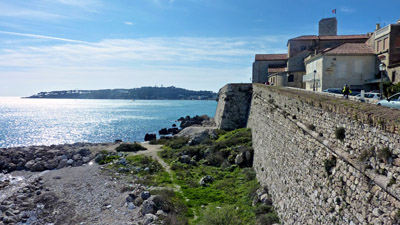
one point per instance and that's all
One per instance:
(62, 163)
(84, 152)
(185, 159)
(85, 159)
(70, 161)
(131, 206)
(149, 219)
(163, 131)
(247, 155)
(149, 137)
(205, 180)
(77, 157)
(145, 195)
(199, 138)
(29, 164)
(51, 164)
(138, 201)
(130, 198)
(239, 159)
(396, 162)
(37, 167)
(173, 131)
(148, 207)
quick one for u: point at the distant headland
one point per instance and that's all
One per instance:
(145, 93)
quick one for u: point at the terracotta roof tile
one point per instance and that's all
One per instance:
(349, 49)
(271, 57)
(335, 37)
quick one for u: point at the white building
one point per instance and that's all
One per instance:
(349, 63)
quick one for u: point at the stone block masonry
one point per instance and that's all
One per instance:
(233, 106)
(314, 177)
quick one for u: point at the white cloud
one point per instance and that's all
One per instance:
(190, 62)
(128, 23)
(43, 37)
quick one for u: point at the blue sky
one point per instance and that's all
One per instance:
(50, 45)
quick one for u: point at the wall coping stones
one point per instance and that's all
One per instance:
(383, 118)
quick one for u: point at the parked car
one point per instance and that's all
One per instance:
(354, 93)
(333, 90)
(372, 95)
(392, 102)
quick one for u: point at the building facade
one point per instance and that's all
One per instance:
(264, 62)
(385, 42)
(349, 63)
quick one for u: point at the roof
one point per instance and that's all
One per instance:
(271, 57)
(349, 49)
(276, 70)
(333, 37)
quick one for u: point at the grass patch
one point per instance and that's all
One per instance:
(230, 194)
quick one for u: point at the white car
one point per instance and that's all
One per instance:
(392, 102)
(372, 95)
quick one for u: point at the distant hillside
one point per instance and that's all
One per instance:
(135, 93)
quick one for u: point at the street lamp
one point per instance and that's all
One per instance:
(382, 68)
(314, 80)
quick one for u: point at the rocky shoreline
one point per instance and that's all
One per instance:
(61, 184)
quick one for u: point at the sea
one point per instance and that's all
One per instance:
(27, 122)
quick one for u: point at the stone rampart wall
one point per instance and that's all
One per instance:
(316, 178)
(233, 106)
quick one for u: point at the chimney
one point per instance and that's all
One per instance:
(378, 26)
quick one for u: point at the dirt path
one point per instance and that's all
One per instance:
(152, 151)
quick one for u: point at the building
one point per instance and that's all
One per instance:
(290, 72)
(264, 62)
(386, 44)
(348, 63)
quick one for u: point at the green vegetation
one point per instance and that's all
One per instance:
(340, 133)
(130, 147)
(135, 93)
(329, 164)
(384, 154)
(311, 127)
(227, 199)
(213, 182)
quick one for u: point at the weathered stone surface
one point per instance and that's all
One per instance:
(313, 177)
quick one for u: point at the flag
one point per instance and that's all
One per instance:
(334, 11)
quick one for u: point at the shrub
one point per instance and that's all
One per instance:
(130, 147)
(366, 154)
(384, 154)
(225, 215)
(340, 133)
(249, 173)
(268, 219)
(263, 209)
(329, 164)
(311, 127)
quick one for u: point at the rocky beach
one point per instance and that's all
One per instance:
(62, 184)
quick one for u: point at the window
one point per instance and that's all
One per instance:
(379, 46)
(290, 78)
(302, 48)
(394, 76)
(385, 44)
